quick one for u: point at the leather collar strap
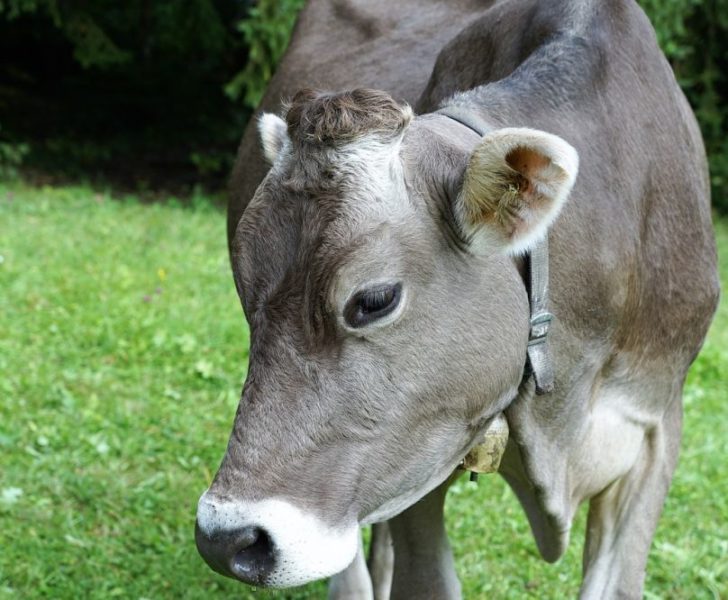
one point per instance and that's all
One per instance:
(539, 362)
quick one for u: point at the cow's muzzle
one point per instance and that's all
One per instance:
(270, 542)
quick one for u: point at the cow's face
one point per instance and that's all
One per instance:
(388, 322)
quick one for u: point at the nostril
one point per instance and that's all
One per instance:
(255, 556)
(247, 553)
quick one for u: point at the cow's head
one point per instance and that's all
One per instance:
(388, 322)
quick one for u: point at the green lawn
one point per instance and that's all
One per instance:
(122, 351)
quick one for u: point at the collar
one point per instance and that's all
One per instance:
(539, 363)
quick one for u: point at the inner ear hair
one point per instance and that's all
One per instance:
(494, 193)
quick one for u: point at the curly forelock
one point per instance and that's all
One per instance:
(338, 118)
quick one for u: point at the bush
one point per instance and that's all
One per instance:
(130, 90)
(11, 157)
(694, 36)
(266, 31)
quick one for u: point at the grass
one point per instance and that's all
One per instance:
(122, 352)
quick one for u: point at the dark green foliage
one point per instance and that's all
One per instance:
(266, 31)
(145, 93)
(11, 157)
(132, 90)
(91, 44)
(694, 36)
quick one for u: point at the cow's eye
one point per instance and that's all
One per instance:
(372, 304)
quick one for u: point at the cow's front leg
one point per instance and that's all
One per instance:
(371, 579)
(622, 518)
(381, 560)
(423, 562)
(353, 583)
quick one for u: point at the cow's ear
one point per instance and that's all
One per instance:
(516, 182)
(273, 134)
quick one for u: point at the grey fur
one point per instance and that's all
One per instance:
(340, 424)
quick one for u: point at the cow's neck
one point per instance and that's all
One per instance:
(535, 273)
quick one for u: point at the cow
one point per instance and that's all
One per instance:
(399, 268)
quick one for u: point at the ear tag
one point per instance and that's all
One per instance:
(486, 456)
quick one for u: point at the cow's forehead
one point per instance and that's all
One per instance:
(311, 213)
(371, 188)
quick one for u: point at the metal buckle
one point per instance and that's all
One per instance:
(540, 325)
